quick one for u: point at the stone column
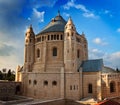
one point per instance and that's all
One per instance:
(99, 83)
(62, 85)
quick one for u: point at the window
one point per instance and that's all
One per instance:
(54, 83)
(42, 38)
(57, 37)
(90, 88)
(54, 51)
(112, 87)
(38, 53)
(74, 87)
(61, 37)
(51, 37)
(78, 53)
(67, 34)
(48, 37)
(54, 37)
(70, 87)
(29, 81)
(35, 82)
(45, 83)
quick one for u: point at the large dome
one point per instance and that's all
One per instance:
(57, 24)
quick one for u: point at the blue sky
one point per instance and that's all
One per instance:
(98, 19)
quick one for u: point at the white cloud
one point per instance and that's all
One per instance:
(113, 60)
(106, 11)
(66, 14)
(38, 15)
(96, 54)
(118, 30)
(43, 3)
(77, 6)
(86, 13)
(99, 41)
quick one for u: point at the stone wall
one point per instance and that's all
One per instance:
(108, 78)
(8, 89)
(91, 78)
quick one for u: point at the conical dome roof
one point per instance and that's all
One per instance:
(57, 24)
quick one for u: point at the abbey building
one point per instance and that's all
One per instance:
(56, 65)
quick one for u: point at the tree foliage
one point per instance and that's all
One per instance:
(10, 76)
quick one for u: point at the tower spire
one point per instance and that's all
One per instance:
(58, 13)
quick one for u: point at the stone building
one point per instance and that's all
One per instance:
(56, 65)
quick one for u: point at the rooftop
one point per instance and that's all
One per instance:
(57, 24)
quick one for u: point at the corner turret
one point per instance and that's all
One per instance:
(70, 46)
(29, 49)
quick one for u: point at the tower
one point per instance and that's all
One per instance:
(70, 46)
(29, 49)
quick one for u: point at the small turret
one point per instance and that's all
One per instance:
(70, 25)
(29, 35)
(70, 46)
(29, 49)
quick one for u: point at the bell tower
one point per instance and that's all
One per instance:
(29, 49)
(70, 46)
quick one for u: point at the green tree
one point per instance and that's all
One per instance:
(10, 76)
(1, 76)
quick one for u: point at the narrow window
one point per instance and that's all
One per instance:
(51, 37)
(54, 37)
(78, 53)
(54, 83)
(74, 87)
(35, 82)
(48, 37)
(29, 81)
(70, 87)
(61, 37)
(54, 51)
(42, 38)
(112, 87)
(57, 37)
(68, 34)
(90, 88)
(38, 53)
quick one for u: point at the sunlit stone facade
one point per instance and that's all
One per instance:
(56, 65)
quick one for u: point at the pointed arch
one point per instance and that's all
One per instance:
(38, 53)
(112, 86)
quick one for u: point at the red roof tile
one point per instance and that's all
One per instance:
(108, 102)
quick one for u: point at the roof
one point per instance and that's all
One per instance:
(108, 70)
(92, 65)
(57, 24)
(108, 102)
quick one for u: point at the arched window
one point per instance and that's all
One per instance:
(112, 87)
(54, 37)
(54, 51)
(45, 83)
(29, 81)
(54, 83)
(90, 88)
(35, 82)
(78, 53)
(57, 37)
(38, 53)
